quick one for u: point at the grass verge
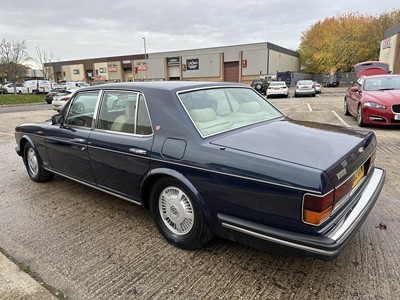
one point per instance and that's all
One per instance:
(11, 99)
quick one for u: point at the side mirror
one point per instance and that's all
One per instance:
(354, 89)
(57, 119)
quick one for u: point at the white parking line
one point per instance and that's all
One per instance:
(291, 107)
(309, 107)
(340, 119)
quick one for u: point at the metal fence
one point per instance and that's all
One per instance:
(345, 79)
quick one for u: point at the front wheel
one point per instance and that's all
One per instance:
(34, 165)
(360, 117)
(346, 108)
(177, 215)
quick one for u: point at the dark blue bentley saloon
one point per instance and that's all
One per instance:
(212, 159)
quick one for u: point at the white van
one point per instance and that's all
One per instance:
(70, 85)
(9, 88)
(38, 86)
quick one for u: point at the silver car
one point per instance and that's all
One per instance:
(304, 88)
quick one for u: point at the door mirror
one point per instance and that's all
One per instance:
(57, 119)
(354, 89)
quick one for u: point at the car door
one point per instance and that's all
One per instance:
(67, 143)
(120, 146)
(355, 97)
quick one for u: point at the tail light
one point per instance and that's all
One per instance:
(313, 86)
(317, 208)
(65, 98)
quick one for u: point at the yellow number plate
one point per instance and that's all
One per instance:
(358, 175)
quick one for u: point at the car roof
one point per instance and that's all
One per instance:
(382, 75)
(165, 85)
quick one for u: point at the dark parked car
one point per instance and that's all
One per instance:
(260, 85)
(213, 159)
(50, 95)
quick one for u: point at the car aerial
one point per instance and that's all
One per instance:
(277, 88)
(317, 87)
(304, 88)
(212, 159)
(260, 85)
(375, 99)
(61, 98)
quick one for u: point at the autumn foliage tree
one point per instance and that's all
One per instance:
(337, 43)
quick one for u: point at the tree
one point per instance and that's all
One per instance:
(337, 43)
(46, 63)
(13, 55)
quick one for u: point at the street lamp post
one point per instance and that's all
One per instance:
(145, 55)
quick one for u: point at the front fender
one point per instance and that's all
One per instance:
(21, 145)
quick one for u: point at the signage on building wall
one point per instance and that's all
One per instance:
(192, 64)
(100, 77)
(112, 68)
(76, 71)
(141, 67)
(386, 43)
(173, 61)
(244, 63)
(126, 62)
(102, 70)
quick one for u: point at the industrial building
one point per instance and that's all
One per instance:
(238, 63)
(390, 49)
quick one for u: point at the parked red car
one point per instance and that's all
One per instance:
(375, 99)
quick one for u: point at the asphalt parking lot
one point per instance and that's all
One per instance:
(84, 244)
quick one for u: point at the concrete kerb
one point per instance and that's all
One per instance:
(19, 282)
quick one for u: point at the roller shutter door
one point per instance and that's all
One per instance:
(231, 71)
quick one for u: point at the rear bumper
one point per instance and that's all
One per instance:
(305, 92)
(326, 246)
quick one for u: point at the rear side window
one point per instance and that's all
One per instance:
(124, 112)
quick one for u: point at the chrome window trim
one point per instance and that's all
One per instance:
(139, 93)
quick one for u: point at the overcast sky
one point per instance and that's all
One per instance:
(100, 28)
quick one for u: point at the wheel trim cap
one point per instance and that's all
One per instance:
(176, 210)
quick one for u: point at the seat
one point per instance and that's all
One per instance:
(208, 122)
(126, 122)
(249, 107)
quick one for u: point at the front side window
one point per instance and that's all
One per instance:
(220, 109)
(81, 109)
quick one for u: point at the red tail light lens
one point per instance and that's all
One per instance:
(316, 209)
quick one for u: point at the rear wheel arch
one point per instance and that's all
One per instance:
(176, 208)
(157, 174)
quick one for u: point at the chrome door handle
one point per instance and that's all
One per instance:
(137, 151)
(79, 140)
